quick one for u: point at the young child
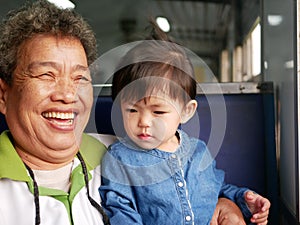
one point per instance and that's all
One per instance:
(156, 173)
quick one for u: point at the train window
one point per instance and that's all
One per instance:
(256, 50)
(252, 54)
(246, 60)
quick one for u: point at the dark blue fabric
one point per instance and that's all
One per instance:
(3, 125)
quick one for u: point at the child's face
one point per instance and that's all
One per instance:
(152, 122)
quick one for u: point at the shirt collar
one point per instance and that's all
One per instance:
(12, 166)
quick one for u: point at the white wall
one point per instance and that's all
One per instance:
(278, 53)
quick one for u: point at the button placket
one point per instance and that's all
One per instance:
(188, 218)
(178, 176)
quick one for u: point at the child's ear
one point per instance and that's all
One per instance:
(188, 111)
(3, 96)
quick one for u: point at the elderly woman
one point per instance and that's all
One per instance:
(46, 97)
(49, 169)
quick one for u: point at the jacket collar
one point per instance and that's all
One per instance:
(12, 166)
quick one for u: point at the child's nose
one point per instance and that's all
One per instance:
(145, 120)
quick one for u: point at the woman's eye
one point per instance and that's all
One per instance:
(46, 76)
(82, 79)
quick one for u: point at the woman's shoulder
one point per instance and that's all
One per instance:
(92, 149)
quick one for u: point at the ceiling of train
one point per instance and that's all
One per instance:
(199, 25)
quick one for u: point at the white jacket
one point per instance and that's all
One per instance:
(56, 207)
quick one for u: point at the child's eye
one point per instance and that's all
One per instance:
(159, 112)
(131, 110)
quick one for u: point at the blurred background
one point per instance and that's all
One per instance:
(215, 30)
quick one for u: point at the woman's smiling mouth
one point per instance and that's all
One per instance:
(60, 118)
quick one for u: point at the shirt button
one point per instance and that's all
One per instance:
(188, 218)
(180, 184)
(173, 156)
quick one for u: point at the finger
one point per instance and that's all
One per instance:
(266, 204)
(260, 219)
(250, 195)
(265, 223)
(261, 215)
(213, 221)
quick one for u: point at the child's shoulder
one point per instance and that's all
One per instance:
(116, 151)
(121, 147)
(192, 140)
(116, 146)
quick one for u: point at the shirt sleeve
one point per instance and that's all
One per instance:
(236, 194)
(117, 198)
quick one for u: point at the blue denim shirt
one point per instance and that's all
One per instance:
(156, 187)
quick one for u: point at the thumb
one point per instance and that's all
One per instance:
(249, 196)
(214, 219)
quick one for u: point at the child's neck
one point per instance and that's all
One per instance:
(171, 145)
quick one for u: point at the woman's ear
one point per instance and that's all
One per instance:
(3, 96)
(188, 111)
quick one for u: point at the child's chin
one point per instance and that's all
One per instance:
(147, 145)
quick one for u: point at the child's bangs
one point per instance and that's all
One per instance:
(152, 86)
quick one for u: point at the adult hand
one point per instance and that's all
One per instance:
(227, 213)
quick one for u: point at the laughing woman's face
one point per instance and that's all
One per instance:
(49, 102)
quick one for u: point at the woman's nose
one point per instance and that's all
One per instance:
(65, 91)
